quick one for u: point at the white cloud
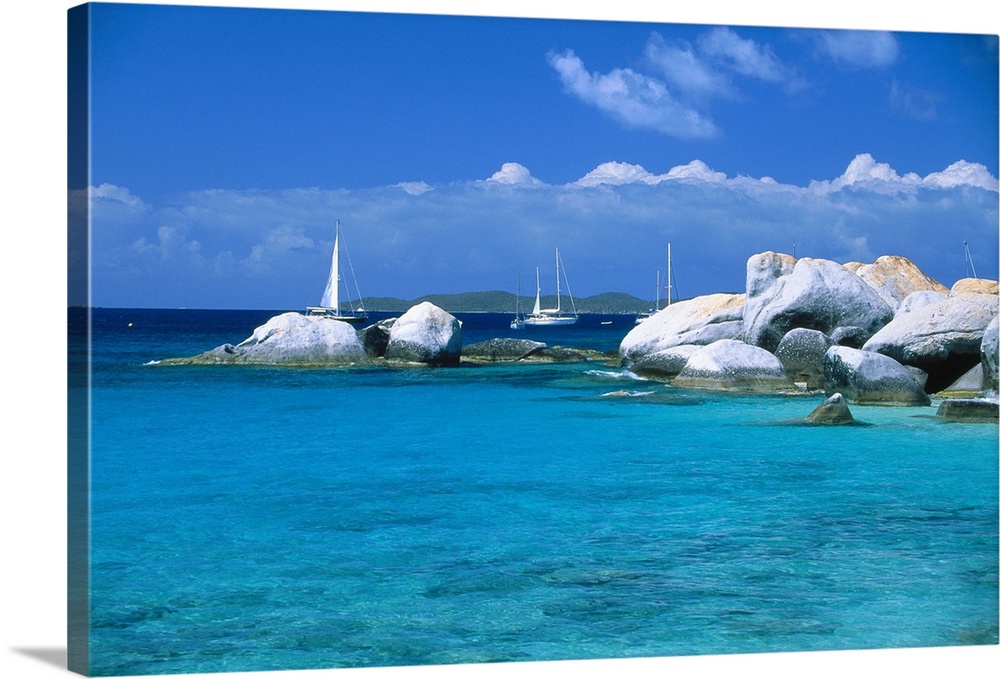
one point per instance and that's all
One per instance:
(913, 102)
(861, 49)
(415, 188)
(270, 249)
(692, 76)
(741, 55)
(636, 100)
(514, 174)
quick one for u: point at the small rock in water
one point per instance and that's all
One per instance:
(833, 410)
(969, 410)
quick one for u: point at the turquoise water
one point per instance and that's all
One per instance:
(257, 518)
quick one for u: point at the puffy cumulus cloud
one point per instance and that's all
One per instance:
(261, 249)
(415, 188)
(633, 99)
(865, 172)
(513, 174)
(859, 49)
(620, 174)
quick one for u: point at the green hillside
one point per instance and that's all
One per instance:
(500, 302)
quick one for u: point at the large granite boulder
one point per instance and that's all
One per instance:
(801, 352)
(664, 364)
(990, 355)
(894, 278)
(425, 334)
(501, 350)
(943, 339)
(732, 365)
(816, 294)
(870, 378)
(698, 321)
(290, 339)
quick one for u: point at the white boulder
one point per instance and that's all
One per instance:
(870, 378)
(425, 334)
(732, 365)
(817, 294)
(699, 321)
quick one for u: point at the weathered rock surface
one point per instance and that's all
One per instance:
(425, 334)
(982, 286)
(871, 378)
(732, 365)
(894, 278)
(968, 385)
(943, 339)
(664, 364)
(833, 410)
(375, 338)
(969, 410)
(990, 356)
(290, 339)
(500, 350)
(801, 352)
(698, 321)
(816, 294)
(559, 354)
(919, 299)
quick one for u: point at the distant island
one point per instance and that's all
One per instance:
(497, 301)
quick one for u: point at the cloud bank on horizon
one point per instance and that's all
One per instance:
(270, 249)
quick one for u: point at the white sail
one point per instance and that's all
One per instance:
(329, 306)
(538, 295)
(331, 295)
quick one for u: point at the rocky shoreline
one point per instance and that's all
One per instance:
(880, 333)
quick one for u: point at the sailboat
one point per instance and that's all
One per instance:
(647, 314)
(518, 322)
(556, 316)
(329, 305)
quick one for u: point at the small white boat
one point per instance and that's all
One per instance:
(329, 305)
(556, 316)
(518, 322)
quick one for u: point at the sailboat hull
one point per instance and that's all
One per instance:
(335, 315)
(550, 320)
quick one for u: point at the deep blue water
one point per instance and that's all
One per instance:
(260, 518)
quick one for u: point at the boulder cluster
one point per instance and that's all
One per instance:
(425, 335)
(879, 333)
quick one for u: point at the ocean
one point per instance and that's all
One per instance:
(253, 518)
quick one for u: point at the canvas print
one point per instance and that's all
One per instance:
(422, 340)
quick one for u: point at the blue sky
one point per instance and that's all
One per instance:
(458, 152)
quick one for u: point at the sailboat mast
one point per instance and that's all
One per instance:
(668, 275)
(558, 292)
(538, 293)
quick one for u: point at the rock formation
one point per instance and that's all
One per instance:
(871, 378)
(425, 334)
(732, 365)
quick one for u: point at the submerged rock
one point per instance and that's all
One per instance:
(833, 410)
(867, 377)
(425, 334)
(290, 339)
(969, 410)
(731, 365)
(501, 350)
